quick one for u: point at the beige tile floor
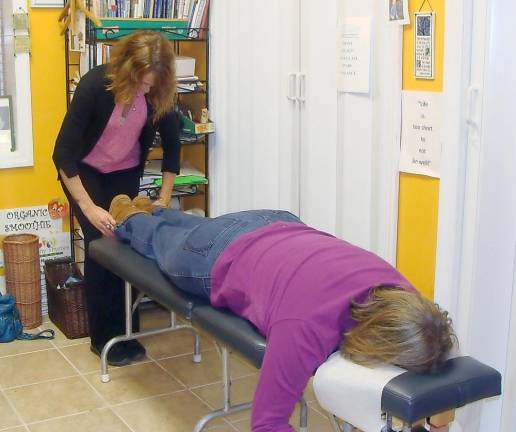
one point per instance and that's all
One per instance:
(54, 386)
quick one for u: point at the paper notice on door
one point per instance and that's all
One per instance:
(421, 133)
(353, 54)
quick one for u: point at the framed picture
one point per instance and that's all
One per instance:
(398, 12)
(47, 3)
(7, 142)
(424, 58)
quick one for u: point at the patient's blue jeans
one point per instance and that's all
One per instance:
(185, 247)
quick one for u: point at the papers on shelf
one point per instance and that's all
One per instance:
(188, 175)
(188, 78)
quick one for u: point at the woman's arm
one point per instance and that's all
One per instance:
(97, 216)
(167, 186)
(70, 143)
(168, 128)
(293, 354)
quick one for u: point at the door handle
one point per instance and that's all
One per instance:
(292, 84)
(301, 88)
(472, 101)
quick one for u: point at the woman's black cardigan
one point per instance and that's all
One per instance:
(87, 116)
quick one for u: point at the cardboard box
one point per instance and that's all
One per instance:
(185, 66)
(191, 127)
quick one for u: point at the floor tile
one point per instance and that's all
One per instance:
(309, 394)
(100, 420)
(316, 422)
(220, 428)
(178, 412)
(208, 371)
(242, 390)
(60, 339)
(173, 344)
(154, 317)
(32, 368)
(134, 382)
(53, 399)
(8, 417)
(23, 346)
(82, 358)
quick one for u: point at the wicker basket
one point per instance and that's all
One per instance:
(66, 303)
(23, 276)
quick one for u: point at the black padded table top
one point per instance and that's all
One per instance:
(233, 331)
(143, 274)
(463, 380)
(408, 396)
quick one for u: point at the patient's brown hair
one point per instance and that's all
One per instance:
(399, 327)
(136, 55)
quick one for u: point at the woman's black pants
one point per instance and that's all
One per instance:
(104, 290)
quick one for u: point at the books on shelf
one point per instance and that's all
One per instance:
(192, 11)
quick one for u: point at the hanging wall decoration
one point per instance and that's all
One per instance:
(7, 142)
(424, 44)
(398, 12)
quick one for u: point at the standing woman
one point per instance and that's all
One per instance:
(100, 152)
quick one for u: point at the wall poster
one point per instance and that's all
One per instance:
(421, 133)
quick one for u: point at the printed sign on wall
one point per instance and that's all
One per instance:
(353, 55)
(53, 242)
(421, 133)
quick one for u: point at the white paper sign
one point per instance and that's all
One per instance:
(53, 242)
(353, 54)
(421, 133)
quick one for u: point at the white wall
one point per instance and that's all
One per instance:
(476, 263)
(369, 140)
(254, 45)
(332, 159)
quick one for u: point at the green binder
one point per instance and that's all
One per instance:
(115, 28)
(185, 180)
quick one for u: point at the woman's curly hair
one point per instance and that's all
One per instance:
(134, 56)
(399, 327)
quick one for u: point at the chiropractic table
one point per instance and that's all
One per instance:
(380, 399)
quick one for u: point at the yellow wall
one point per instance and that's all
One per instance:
(37, 185)
(419, 196)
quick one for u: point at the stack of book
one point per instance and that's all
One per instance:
(189, 84)
(195, 11)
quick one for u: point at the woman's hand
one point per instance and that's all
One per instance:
(161, 202)
(439, 429)
(100, 219)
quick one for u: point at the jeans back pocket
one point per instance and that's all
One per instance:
(204, 236)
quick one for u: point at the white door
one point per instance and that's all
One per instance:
(492, 328)
(476, 262)
(285, 137)
(318, 93)
(254, 157)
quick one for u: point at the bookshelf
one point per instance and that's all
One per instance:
(191, 187)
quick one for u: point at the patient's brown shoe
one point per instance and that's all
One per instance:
(122, 207)
(143, 203)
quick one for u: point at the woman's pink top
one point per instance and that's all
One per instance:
(118, 147)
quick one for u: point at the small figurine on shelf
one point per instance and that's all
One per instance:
(204, 116)
(69, 12)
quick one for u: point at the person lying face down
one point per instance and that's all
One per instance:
(306, 291)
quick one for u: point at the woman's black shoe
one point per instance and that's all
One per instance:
(117, 355)
(134, 350)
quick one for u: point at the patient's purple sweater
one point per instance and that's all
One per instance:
(295, 284)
